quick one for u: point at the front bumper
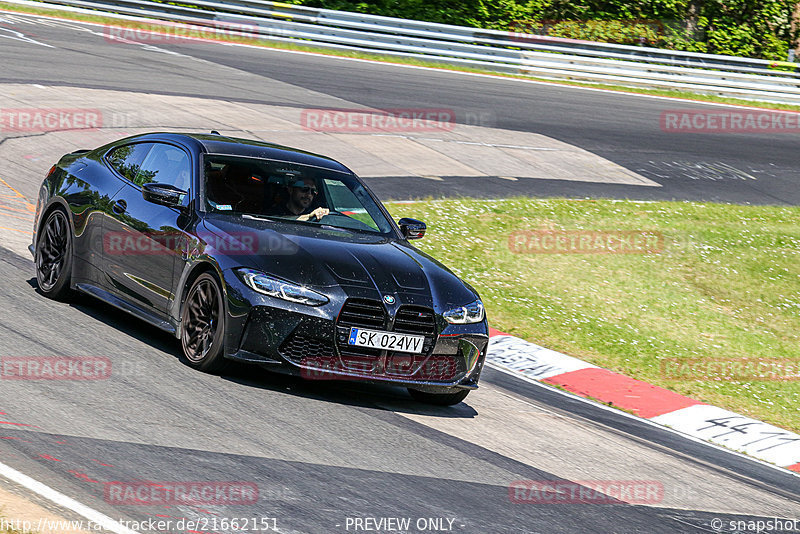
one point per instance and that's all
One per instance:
(315, 348)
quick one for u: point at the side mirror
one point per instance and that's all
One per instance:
(164, 194)
(412, 228)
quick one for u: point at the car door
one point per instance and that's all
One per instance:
(142, 238)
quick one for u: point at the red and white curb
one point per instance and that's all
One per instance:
(664, 407)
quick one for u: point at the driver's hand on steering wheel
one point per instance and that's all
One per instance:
(318, 214)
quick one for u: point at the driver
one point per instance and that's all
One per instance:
(301, 194)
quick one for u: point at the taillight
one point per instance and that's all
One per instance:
(51, 171)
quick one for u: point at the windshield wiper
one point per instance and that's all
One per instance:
(258, 217)
(338, 228)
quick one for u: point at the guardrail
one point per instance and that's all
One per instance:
(511, 52)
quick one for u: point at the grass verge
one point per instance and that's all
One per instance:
(100, 18)
(725, 284)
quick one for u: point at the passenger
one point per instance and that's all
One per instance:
(301, 194)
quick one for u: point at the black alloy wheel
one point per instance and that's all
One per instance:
(53, 256)
(203, 325)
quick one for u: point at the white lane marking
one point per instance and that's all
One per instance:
(41, 22)
(696, 170)
(152, 48)
(639, 419)
(13, 19)
(62, 500)
(144, 46)
(59, 23)
(21, 37)
(56, 23)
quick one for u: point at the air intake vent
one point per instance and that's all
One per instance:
(415, 320)
(364, 313)
(299, 348)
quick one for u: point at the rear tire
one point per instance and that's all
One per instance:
(203, 326)
(439, 399)
(53, 256)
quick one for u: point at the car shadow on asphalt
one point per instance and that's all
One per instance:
(358, 394)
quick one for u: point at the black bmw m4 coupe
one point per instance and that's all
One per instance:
(253, 252)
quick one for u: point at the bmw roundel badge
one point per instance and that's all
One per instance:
(388, 299)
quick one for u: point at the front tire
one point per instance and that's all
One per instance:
(203, 326)
(439, 399)
(53, 256)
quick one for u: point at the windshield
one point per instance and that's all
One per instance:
(240, 185)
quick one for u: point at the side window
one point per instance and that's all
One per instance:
(127, 159)
(345, 201)
(165, 164)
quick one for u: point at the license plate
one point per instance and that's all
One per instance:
(375, 339)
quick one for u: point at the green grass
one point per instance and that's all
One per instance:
(725, 285)
(100, 18)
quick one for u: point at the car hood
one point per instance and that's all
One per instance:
(323, 256)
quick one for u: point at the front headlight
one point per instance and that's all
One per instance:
(281, 289)
(471, 313)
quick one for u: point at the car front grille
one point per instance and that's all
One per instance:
(409, 319)
(415, 320)
(364, 313)
(325, 358)
(361, 313)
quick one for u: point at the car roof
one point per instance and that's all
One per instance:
(221, 144)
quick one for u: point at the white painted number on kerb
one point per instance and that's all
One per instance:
(531, 359)
(737, 432)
